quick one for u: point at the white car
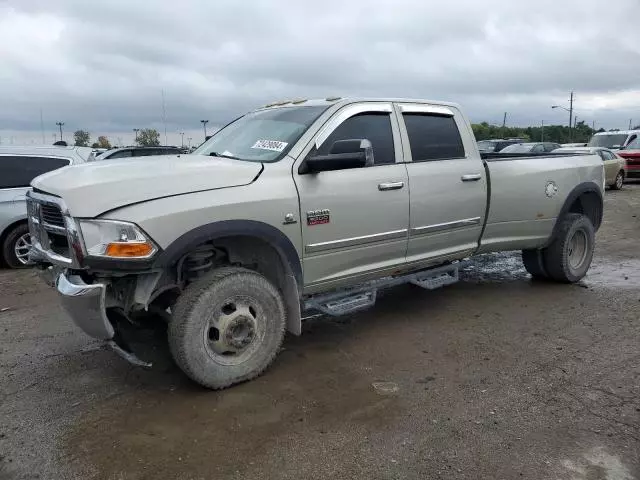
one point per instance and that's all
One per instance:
(18, 166)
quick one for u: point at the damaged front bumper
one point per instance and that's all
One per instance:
(86, 305)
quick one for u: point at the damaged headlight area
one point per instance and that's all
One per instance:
(115, 239)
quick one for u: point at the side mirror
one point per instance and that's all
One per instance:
(344, 154)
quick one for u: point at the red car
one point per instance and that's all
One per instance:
(632, 154)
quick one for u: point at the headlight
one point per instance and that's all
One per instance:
(113, 239)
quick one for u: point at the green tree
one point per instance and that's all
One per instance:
(103, 142)
(148, 137)
(81, 138)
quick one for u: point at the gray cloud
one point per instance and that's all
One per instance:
(102, 65)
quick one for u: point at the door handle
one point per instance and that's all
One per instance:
(390, 186)
(471, 177)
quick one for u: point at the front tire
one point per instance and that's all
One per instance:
(569, 256)
(619, 181)
(227, 327)
(16, 246)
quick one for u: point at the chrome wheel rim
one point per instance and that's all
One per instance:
(235, 330)
(22, 247)
(577, 249)
(619, 180)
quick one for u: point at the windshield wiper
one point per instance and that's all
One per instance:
(223, 155)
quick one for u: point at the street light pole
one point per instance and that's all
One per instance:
(182, 139)
(60, 124)
(189, 142)
(135, 131)
(204, 125)
(570, 110)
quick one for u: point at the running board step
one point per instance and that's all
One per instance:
(431, 281)
(364, 296)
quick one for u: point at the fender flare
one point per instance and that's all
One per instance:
(577, 192)
(229, 228)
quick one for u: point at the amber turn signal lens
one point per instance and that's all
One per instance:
(128, 250)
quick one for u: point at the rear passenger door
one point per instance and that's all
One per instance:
(447, 183)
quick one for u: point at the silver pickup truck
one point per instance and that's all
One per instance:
(311, 205)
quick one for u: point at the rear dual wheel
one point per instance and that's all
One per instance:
(569, 256)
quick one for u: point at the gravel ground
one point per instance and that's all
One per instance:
(496, 377)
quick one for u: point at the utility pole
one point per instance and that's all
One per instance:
(135, 131)
(164, 118)
(593, 125)
(570, 116)
(182, 139)
(542, 132)
(504, 123)
(189, 143)
(42, 127)
(630, 123)
(204, 125)
(60, 124)
(570, 110)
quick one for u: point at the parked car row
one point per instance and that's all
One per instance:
(21, 164)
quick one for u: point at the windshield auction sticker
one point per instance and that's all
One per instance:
(273, 145)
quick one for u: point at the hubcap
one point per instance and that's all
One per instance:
(235, 330)
(577, 249)
(22, 247)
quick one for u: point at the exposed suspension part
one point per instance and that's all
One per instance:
(198, 262)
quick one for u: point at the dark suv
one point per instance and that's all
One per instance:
(137, 152)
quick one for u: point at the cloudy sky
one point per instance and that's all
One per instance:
(102, 65)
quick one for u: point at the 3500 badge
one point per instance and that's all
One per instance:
(318, 217)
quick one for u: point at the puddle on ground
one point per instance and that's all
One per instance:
(507, 266)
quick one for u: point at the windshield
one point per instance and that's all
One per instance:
(518, 148)
(486, 146)
(614, 140)
(262, 136)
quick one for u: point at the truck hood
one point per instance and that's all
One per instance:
(93, 188)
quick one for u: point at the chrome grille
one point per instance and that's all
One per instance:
(51, 215)
(48, 228)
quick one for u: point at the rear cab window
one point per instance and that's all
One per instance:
(18, 170)
(433, 136)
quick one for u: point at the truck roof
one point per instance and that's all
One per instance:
(347, 100)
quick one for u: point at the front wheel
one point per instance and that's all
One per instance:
(16, 247)
(619, 181)
(227, 327)
(569, 256)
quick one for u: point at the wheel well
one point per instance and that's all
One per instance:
(255, 254)
(590, 205)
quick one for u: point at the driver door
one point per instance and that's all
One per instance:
(354, 220)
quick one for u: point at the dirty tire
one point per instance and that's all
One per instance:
(534, 263)
(564, 260)
(618, 182)
(202, 303)
(8, 245)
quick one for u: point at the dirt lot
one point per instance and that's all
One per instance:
(496, 377)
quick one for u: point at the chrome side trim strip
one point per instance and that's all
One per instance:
(350, 242)
(440, 227)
